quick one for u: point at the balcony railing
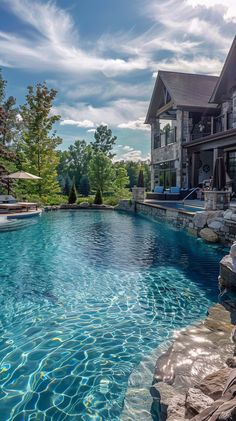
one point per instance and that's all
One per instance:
(218, 124)
(165, 138)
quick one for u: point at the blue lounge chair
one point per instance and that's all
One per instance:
(158, 194)
(173, 194)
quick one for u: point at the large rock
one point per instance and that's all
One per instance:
(172, 403)
(209, 235)
(228, 214)
(196, 401)
(215, 224)
(200, 219)
(213, 384)
(176, 408)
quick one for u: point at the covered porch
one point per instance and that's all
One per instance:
(202, 154)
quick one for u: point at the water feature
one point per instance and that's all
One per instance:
(84, 297)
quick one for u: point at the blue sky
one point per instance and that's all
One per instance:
(102, 56)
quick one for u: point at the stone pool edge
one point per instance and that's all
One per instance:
(191, 375)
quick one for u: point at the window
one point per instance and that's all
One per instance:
(165, 174)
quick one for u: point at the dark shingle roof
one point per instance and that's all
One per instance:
(227, 78)
(185, 89)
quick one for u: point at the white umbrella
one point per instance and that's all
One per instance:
(22, 175)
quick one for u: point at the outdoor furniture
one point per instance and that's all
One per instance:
(174, 193)
(9, 207)
(7, 198)
(158, 193)
(28, 205)
(9, 203)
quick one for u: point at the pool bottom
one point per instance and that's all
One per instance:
(84, 297)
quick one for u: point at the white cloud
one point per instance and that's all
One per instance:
(116, 112)
(132, 155)
(135, 125)
(91, 130)
(85, 123)
(56, 42)
(228, 7)
(127, 148)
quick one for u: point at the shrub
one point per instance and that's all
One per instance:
(55, 199)
(89, 199)
(98, 198)
(72, 196)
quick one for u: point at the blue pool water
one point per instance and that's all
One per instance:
(181, 206)
(84, 296)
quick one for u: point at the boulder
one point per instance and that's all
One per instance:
(172, 404)
(84, 205)
(228, 214)
(215, 224)
(213, 384)
(196, 401)
(209, 235)
(176, 408)
(200, 219)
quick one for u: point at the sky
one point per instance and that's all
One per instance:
(102, 56)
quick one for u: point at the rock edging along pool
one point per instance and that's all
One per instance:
(84, 297)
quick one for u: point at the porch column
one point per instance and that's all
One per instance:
(195, 169)
(155, 131)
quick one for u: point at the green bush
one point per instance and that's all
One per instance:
(73, 195)
(89, 199)
(98, 198)
(55, 199)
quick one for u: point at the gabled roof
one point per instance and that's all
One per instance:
(185, 89)
(227, 78)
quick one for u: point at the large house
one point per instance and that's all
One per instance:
(201, 110)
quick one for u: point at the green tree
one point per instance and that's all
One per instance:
(39, 142)
(74, 162)
(98, 198)
(9, 129)
(104, 141)
(73, 194)
(84, 187)
(101, 172)
(121, 178)
(67, 186)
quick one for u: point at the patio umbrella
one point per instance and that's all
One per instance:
(20, 175)
(219, 175)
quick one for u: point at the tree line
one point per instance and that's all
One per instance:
(29, 142)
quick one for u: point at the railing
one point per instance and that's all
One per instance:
(192, 191)
(218, 124)
(165, 138)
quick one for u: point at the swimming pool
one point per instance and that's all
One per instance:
(84, 297)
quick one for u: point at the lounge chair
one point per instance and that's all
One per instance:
(158, 194)
(8, 203)
(173, 194)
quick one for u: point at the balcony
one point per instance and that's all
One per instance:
(164, 139)
(218, 124)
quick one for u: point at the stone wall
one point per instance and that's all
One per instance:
(212, 226)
